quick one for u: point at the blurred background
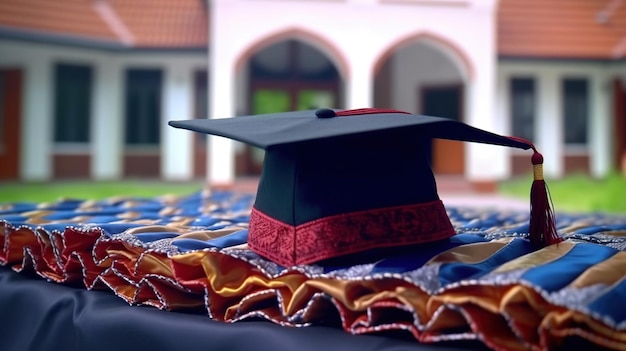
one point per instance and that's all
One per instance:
(87, 88)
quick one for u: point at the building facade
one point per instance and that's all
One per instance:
(93, 102)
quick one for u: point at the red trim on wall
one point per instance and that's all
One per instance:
(576, 164)
(11, 105)
(521, 165)
(71, 166)
(142, 166)
(347, 233)
(484, 187)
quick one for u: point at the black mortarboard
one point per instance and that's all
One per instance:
(336, 183)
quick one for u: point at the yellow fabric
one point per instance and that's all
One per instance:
(507, 313)
(528, 314)
(547, 254)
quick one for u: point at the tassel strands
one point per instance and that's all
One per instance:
(542, 221)
(542, 228)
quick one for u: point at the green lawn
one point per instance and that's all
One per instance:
(578, 193)
(91, 190)
(575, 193)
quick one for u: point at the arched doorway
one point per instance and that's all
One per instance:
(287, 75)
(426, 75)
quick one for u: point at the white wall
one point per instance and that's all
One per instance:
(107, 139)
(549, 126)
(176, 144)
(416, 66)
(356, 34)
(618, 69)
(107, 128)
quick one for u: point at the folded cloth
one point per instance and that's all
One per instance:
(485, 283)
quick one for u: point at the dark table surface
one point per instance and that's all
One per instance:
(39, 315)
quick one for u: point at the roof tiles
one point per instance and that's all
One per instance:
(579, 29)
(165, 23)
(584, 29)
(136, 23)
(73, 17)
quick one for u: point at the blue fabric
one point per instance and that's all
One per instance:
(406, 263)
(454, 272)
(154, 236)
(610, 303)
(560, 272)
(236, 238)
(593, 239)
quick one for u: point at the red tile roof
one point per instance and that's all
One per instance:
(165, 23)
(136, 23)
(75, 17)
(585, 29)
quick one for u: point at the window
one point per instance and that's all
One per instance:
(523, 103)
(143, 106)
(201, 94)
(575, 110)
(201, 101)
(72, 103)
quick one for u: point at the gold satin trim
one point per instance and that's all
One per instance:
(153, 229)
(534, 259)
(507, 316)
(76, 219)
(208, 234)
(469, 253)
(607, 272)
(562, 323)
(577, 225)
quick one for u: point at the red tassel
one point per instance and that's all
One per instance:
(542, 228)
(542, 221)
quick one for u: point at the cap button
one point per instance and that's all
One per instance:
(325, 113)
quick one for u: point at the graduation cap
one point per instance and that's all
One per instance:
(339, 183)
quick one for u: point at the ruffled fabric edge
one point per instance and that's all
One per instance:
(233, 284)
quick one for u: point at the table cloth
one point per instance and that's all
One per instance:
(183, 266)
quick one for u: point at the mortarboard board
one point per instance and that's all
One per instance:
(344, 182)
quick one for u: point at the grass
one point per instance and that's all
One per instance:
(578, 193)
(91, 190)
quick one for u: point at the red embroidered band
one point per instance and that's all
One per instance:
(347, 233)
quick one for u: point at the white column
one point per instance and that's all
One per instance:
(359, 89)
(503, 119)
(37, 124)
(549, 122)
(600, 134)
(107, 137)
(220, 150)
(176, 144)
(502, 102)
(222, 58)
(484, 162)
